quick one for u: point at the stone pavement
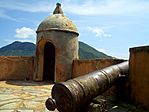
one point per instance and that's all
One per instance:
(29, 96)
(24, 96)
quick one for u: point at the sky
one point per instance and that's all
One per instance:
(110, 26)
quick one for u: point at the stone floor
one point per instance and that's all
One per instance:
(29, 96)
(24, 96)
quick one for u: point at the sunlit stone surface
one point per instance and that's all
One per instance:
(24, 96)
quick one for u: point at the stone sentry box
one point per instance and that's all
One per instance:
(56, 47)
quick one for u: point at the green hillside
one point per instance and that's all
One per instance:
(87, 52)
(28, 49)
(18, 49)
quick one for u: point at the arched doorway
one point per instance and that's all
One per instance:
(49, 62)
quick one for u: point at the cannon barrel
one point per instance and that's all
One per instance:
(72, 94)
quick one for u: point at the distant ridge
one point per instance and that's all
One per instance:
(28, 49)
(88, 52)
(18, 49)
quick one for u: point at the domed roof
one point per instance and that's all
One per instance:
(57, 21)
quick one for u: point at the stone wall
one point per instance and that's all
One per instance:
(21, 68)
(82, 67)
(16, 68)
(139, 75)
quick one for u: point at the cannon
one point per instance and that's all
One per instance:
(70, 95)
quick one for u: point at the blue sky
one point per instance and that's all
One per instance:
(110, 26)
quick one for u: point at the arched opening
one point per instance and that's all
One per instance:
(49, 62)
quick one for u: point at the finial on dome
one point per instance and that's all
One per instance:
(58, 9)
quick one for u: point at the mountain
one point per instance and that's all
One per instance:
(28, 49)
(88, 52)
(18, 49)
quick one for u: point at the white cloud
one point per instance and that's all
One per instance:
(38, 6)
(3, 15)
(107, 7)
(101, 50)
(99, 32)
(8, 41)
(25, 32)
(87, 7)
(107, 35)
